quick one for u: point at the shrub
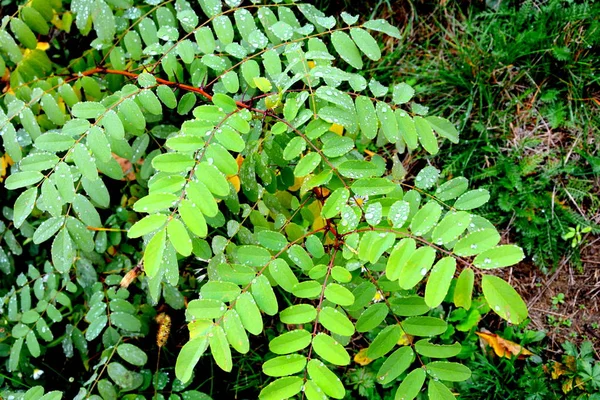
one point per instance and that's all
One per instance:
(248, 155)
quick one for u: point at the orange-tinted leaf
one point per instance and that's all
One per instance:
(361, 358)
(502, 347)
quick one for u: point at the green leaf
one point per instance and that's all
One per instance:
(179, 237)
(395, 365)
(274, 241)
(150, 102)
(294, 148)
(384, 342)
(411, 385)
(47, 229)
(381, 25)
(426, 136)
(219, 347)
(23, 33)
(153, 254)
(463, 291)
(155, 202)
(234, 329)
(32, 344)
(389, 124)
(416, 267)
(189, 356)
(373, 186)
(173, 162)
(448, 371)
(335, 96)
(298, 314)
(499, 256)
(307, 164)
(284, 365)
(503, 299)
(24, 206)
(438, 391)
(222, 159)
(366, 43)
(54, 142)
(249, 313)
(371, 317)
(22, 179)
(374, 244)
(252, 256)
(205, 309)
(125, 321)
(193, 218)
(424, 326)
(132, 354)
(477, 242)
(367, 117)
(402, 93)
(307, 289)
(451, 227)
(198, 193)
(282, 388)
(264, 295)
(213, 179)
(334, 202)
(336, 146)
(330, 350)
(443, 127)
(85, 162)
(338, 294)
(132, 114)
(222, 291)
(426, 218)
(399, 257)
(283, 274)
(96, 327)
(230, 139)
(439, 281)
(53, 111)
(63, 251)
(290, 342)
(148, 224)
(15, 355)
(263, 84)
(427, 349)
(346, 49)
(336, 322)
(452, 189)
(88, 110)
(325, 379)
(127, 380)
(472, 199)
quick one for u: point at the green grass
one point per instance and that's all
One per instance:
(522, 82)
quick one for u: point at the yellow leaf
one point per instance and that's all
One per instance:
(361, 358)
(297, 184)
(5, 162)
(263, 84)
(502, 347)
(567, 386)
(235, 181)
(43, 46)
(239, 160)
(337, 129)
(557, 370)
(405, 339)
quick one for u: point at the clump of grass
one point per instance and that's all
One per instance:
(522, 80)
